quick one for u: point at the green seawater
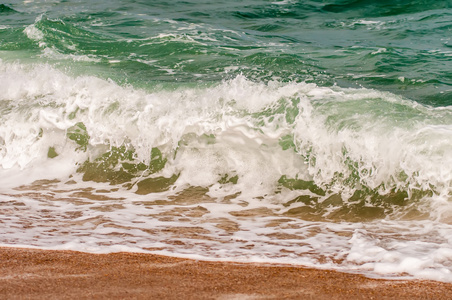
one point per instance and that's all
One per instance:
(399, 46)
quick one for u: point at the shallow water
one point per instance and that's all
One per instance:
(314, 133)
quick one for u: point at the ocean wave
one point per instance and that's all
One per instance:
(269, 136)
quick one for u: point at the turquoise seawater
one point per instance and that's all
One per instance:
(306, 132)
(399, 46)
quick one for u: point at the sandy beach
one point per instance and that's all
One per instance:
(41, 274)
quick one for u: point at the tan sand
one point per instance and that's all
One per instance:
(40, 274)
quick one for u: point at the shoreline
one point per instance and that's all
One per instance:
(62, 274)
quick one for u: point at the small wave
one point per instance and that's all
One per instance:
(60, 41)
(4, 9)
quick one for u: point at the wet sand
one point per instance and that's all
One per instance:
(41, 274)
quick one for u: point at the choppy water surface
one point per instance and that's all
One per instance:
(316, 133)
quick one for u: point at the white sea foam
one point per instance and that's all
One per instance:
(380, 50)
(339, 139)
(35, 34)
(51, 52)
